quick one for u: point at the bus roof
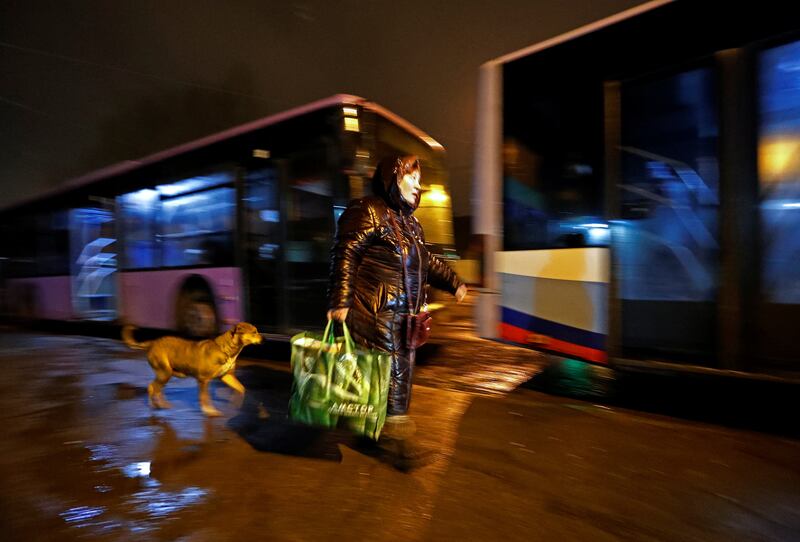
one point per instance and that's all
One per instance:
(578, 32)
(131, 165)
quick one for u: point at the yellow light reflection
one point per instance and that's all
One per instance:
(350, 111)
(436, 196)
(779, 160)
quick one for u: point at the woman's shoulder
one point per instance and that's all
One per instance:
(373, 201)
(368, 204)
(369, 210)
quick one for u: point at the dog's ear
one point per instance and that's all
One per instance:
(235, 330)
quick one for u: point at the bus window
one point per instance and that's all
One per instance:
(552, 167)
(435, 212)
(669, 241)
(94, 261)
(667, 251)
(137, 212)
(779, 172)
(197, 228)
(185, 223)
(52, 243)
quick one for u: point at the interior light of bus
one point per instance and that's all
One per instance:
(191, 199)
(142, 198)
(261, 153)
(351, 124)
(792, 205)
(195, 183)
(595, 225)
(350, 111)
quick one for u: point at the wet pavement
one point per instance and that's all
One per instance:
(83, 457)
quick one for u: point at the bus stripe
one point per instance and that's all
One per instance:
(556, 331)
(521, 336)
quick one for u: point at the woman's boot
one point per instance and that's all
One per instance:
(402, 448)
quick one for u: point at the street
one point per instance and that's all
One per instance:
(83, 457)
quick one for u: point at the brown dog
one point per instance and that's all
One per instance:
(203, 360)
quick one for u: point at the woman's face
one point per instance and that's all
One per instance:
(409, 187)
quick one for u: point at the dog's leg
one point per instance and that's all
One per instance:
(163, 372)
(205, 400)
(233, 382)
(155, 391)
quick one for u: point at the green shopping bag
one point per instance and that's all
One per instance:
(337, 383)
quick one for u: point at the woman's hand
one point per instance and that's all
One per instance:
(338, 314)
(461, 293)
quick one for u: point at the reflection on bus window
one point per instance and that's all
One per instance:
(197, 229)
(667, 243)
(550, 207)
(186, 223)
(262, 206)
(309, 217)
(779, 172)
(94, 261)
(137, 212)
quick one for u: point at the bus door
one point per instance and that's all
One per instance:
(310, 223)
(264, 246)
(93, 261)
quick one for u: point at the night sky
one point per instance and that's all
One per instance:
(84, 84)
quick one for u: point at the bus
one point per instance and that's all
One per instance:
(236, 226)
(638, 190)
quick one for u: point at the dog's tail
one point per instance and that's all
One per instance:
(127, 337)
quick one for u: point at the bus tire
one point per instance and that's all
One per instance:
(196, 314)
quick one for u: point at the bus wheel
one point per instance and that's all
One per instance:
(196, 315)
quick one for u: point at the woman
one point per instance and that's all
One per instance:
(368, 282)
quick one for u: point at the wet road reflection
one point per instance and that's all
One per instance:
(82, 456)
(85, 456)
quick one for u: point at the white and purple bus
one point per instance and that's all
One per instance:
(637, 190)
(234, 226)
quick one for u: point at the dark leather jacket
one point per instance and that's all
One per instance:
(367, 272)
